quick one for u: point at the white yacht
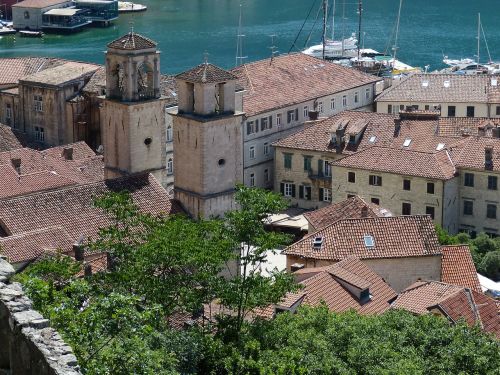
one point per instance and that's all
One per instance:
(335, 49)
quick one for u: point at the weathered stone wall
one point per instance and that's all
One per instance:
(28, 346)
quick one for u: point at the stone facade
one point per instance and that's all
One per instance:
(30, 17)
(28, 345)
(447, 108)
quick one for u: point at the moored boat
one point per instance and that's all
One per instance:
(31, 34)
(129, 7)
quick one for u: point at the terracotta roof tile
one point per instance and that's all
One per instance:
(350, 208)
(13, 69)
(206, 73)
(471, 153)
(457, 267)
(10, 139)
(432, 88)
(292, 79)
(454, 302)
(80, 150)
(69, 71)
(71, 207)
(28, 246)
(132, 41)
(394, 237)
(464, 126)
(404, 162)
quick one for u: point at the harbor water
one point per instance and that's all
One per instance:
(186, 29)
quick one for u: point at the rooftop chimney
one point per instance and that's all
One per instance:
(339, 133)
(488, 157)
(397, 126)
(364, 211)
(79, 251)
(67, 153)
(16, 163)
(313, 115)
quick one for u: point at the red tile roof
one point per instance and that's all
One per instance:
(471, 153)
(460, 89)
(132, 41)
(71, 207)
(463, 126)
(206, 73)
(28, 246)
(457, 267)
(394, 237)
(293, 79)
(10, 139)
(454, 302)
(13, 69)
(330, 285)
(399, 161)
(350, 208)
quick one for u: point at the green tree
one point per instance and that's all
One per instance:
(490, 265)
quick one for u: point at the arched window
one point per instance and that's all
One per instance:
(145, 84)
(170, 166)
(169, 133)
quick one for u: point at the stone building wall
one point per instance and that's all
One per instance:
(28, 346)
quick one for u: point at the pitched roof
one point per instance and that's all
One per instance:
(454, 302)
(72, 207)
(292, 79)
(30, 245)
(350, 208)
(10, 139)
(333, 285)
(61, 74)
(463, 126)
(317, 136)
(439, 88)
(132, 41)
(393, 237)
(400, 161)
(457, 267)
(38, 3)
(13, 69)
(206, 73)
(471, 153)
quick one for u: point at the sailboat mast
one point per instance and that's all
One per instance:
(333, 21)
(360, 9)
(343, 27)
(239, 47)
(325, 15)
(478, 37)
(395, 47)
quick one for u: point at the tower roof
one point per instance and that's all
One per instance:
(132, 41)
(206, 73)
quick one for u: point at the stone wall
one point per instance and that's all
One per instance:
(27, 344)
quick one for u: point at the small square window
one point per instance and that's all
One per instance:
(375, 201)
(406, 208)
(468, 207)
(375, 180)
(430, 188)
(492, 183)
(491, 211)
(351, 177)
(451, 111)
(469, 179)
(429, 210)
(470, 111)
(406, 184)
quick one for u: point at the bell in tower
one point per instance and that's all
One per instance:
(133, 110)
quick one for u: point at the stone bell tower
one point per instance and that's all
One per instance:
(133, 111)
(207, 141)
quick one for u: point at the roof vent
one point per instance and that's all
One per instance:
(425, 83)
(440, 146)
(407, 142)
(446, 83)
(369, 240)
(317, 242)
(67, 153)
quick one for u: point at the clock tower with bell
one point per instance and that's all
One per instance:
(133, 110)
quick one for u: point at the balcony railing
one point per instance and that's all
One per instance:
(318, 175)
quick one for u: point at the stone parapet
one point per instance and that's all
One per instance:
(27, 344)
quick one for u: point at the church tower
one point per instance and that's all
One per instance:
(207, 141)
(133, 111)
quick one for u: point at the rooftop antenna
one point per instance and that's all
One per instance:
(239, 43)
(131, 23)
(325, 16)
(273, 49)
(205, 57)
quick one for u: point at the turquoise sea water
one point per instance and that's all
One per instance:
(185, 29)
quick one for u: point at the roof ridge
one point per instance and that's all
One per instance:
(35, 231)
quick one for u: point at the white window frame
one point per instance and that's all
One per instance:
(332, 104)
(38, 103)
(266, 148)
(344, 101)
(368, 93)
(306, 111)
(320, 107)
(327, 195)
(327, 169)
(287, 189)
(278, 119)
(251, 152)
(170, 166)
(356, 97)
(40, 133)
(252, 125)
(169, 133)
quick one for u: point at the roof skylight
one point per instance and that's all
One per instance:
(440, 146)
(407, 142)
(369, 241)
(372, 139)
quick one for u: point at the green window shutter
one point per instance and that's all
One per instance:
(282, 188)
(301, 192)
(293, 190)
(320, 167)
(321, 194)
